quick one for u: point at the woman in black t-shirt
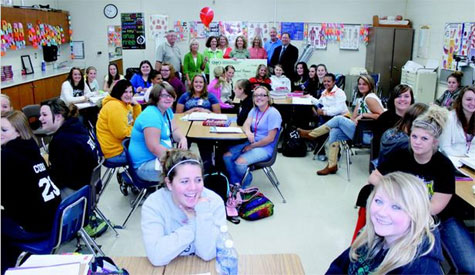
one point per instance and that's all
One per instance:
(426, 162)
(29, 197)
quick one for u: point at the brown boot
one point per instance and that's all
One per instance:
(332, 166)
(305, 134)
(315, 133)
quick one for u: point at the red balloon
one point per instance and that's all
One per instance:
(206, 16)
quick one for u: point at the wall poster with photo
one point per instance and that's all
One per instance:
(197, 30)
(316, 37)
(232, 29)
(181, 29)
(296, 30)
(349, 39)
(261, 29)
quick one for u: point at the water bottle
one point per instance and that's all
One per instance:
(43, 66)
(227, 259)
(222, 237)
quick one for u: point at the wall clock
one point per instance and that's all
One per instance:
(110, 11)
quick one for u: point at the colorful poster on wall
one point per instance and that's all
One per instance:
(349, 39)
(296, 30)
(197, 30)
(114, 35)
(468, 38)
(213, 29)
(133, 31)
(158, 26)
(452, 44)
(232, 29)
(260, 29)
(316, 37)
(181, 29)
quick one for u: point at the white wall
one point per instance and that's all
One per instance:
(435, 13)
(89, 24)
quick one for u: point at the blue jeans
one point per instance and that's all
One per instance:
(146, 171)
(236, 170)
(459, 244)
(119, 160)
(342, 128)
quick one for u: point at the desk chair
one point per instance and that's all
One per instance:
(364, 127)
(266, 166)
(139, 183)
(96, 183)
(70, 218)
(110, 167)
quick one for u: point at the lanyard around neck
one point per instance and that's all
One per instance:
(256, 123)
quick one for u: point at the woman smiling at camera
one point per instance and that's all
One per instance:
(262, 128)
(154, 132)
(183, 217)
(72, 90)
(198, 99)
(116, 119)
(398, 237)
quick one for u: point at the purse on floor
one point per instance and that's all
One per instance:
(254, 205)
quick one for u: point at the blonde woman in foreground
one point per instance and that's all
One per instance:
(399, 234)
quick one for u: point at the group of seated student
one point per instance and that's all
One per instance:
(183, 218)
(341, 127)
(71, 159)
(424, 160)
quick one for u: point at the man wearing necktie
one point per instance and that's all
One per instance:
(286, 55)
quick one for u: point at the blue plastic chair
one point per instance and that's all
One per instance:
(136, 181)
(110, 167)
(70, 218)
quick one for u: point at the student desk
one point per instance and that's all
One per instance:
(200, 132)
(183, 125)
(463, 189)
(248, 264)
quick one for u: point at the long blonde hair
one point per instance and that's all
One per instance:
(412, 196)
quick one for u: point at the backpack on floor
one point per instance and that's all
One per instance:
(293, 145)
(217, 182)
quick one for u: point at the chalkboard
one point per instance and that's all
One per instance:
(133, 31)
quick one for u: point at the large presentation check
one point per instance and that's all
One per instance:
(245, 68)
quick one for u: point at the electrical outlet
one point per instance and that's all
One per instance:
(36, 55)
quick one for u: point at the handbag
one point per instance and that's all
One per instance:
(254, 205)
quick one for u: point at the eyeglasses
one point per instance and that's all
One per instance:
(166, 96)
(255, 96)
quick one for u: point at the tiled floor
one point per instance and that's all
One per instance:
(316, 223)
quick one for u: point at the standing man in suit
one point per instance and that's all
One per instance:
(286, 55)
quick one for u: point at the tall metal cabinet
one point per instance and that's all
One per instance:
(387, 51)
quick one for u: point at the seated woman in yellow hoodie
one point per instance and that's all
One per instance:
(116, 118)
